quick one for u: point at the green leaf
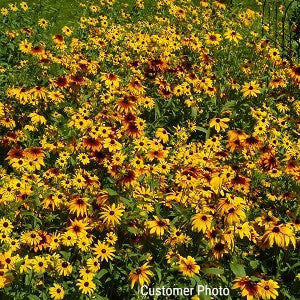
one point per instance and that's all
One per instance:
(254, 278)
(254, 264)
(33, 297)
(197, 279)
(111, 192)
(193, 282)
(27, 279)
(228, 105)
(98, 297)
(66, 255)
(133, 230)
(201, 129)
(286, 293)
(158, 274)
(101, 273)
(126, 201)
(157, 111)
(214, 271)
(203, 296)
(238, 269)
(194, 112)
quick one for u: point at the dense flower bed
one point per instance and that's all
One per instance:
(155, 143)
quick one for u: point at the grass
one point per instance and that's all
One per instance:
(66, 12)
(57, 12)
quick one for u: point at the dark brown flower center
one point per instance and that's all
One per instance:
(161, 223)
(79, 202)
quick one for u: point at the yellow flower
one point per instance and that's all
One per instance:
(86, 285)
(93, 264)
(162, 134)
(140, 275)
(66, 30)
(79, 205)
(232, 35)
(267, 289)
(158, 226)
(64, 268)
(248, 287)
(6, 226)
(39, 265)
(69, 238)
(84, 158)
(201, 222)
(213, 38)
(78, 227)
(103, 251)
(219, 124)
(24, 6)
(188, 266)
(4, 11)
(234, 214)
(43, 23)
(25, 46)
(13, 7)
(56, 292)
(112, 214)
(281, 235)
(36, 118)
(251, 89)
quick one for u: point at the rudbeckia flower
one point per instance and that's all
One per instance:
(188, 266)
(248, 287)
(56, 292)
(219, 124)
(158, 226)
(201, 222)
(86, 286)
(103, 251)
(267, 289)
(140, 275)
(111, 215)
(251, 89)
(281, 235)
